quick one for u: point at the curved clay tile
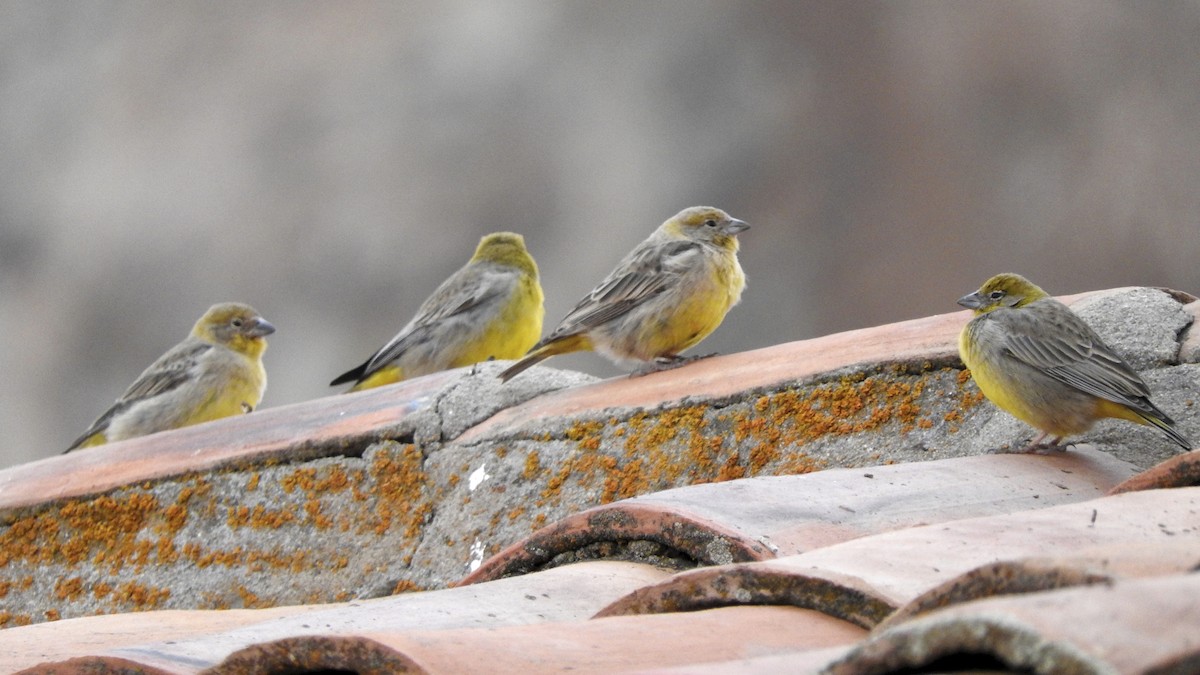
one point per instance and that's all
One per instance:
(101, 665)
(336, 425)
(1180, 471)
(1078, 567)
(1137, 626)
(933, 338)
(318, 653)
(680, 539)
(765, 583)
(865, 579)
(903, 564)
(102, 637)
(805, 661)
(202, 638)
(760, 518)
(618, 644)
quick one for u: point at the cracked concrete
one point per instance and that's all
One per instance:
(417, 500)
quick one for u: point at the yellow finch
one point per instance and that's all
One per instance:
(491, 308)
(1036, 359)
(215, 372)
(664, 297)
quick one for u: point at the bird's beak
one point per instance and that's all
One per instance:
(260, 328)
(971, 300)
(734, 226)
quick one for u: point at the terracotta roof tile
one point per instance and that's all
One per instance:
(1136, 626)
(1179, 471)
(331, 426)
(863, 580)
(410, 487)
(600, 646)
(1103, 564)
(798, 662)
(760, 518)
(200, 639)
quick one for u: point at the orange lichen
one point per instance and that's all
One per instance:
(259, 517)
(68, 589)
(312, 507)
(400, 485)
(405, 586)
(694, 444)
(140, 596)
(533, 465)
(732, 469)
(299, 479)
(175, 517)
(583, 431)
(760, 455)
(101, 589)
(250, 600)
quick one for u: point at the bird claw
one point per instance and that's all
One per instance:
(1046, 448)
(1036, 447)
(669, 362)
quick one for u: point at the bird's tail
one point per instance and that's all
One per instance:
(524, 364)
(352, 375)
(90, 439)
(1167, 426)
(544, 350)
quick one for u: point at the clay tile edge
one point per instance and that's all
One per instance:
(697, 538)
(1179, 471)
(987, 639)
(94, 665)
(756, 584)
(317, 653)
(1002, 578)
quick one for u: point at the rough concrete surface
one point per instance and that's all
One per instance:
(419, 510)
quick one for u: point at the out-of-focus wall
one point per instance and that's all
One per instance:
(330, 163)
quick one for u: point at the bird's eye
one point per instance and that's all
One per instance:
(710, 223)
(996, 295)
(237, 323)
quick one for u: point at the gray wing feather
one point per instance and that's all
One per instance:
(164, 375)
(645, 274)
(461, 293)
(1074, 355)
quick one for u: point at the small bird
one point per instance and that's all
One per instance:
(215, 372)
(664, 297)
(491, 308)
(1036, 359)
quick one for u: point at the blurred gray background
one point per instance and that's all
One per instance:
(330, 163)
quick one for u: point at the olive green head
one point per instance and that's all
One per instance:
(1002, 290)
(707, 225)
(505, 248)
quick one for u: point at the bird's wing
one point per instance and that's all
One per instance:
(166, 374)
(461, 293)
(644, 274)
(1061, 345)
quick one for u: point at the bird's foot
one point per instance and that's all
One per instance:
(668, 362)
(475, 366)
(1036, 447)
